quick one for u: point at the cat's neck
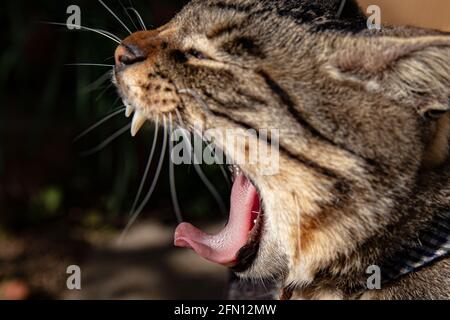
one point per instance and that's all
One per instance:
(428, 204)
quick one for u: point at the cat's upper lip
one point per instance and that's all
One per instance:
(139, 118)
(241, 232)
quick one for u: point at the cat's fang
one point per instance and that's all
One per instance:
(129, 110)
(137, 123)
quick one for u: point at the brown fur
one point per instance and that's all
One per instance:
(362, 167)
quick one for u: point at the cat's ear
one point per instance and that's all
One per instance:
(412, 70)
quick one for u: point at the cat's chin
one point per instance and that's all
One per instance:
(236, 245)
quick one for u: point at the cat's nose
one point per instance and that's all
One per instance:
(138, 47)
(127, 55)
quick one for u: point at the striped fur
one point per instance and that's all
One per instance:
(364, 167)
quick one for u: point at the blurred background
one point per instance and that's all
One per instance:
(60, 207)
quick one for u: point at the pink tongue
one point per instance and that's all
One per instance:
(223, 247)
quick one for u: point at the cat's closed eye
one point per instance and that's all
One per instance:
(185, 56)
(193, 53)
(435, 114)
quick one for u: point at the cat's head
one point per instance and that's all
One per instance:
(358, 115)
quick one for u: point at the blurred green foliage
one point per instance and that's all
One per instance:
(48, 200)
(46, 103)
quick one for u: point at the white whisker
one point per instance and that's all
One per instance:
(224, 173)
(173, 189)
(197, 97)
(180, 119)
(115, 102)
(97, 83)
(141, 21)
(128, 15)
(147, 168)
(105, 143)
(99, 123)
(104, 33)
(152, 188)
(89, 64)
(109, 86)
(194, 94)
(298, 223)
(203, 177)
(341, 8)
(115, 16)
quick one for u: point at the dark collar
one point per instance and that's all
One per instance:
(432, 244)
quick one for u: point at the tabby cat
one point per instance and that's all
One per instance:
(363, 131)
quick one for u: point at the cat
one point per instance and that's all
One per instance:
(363, 130)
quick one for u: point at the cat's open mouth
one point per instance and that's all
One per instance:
(237, 243)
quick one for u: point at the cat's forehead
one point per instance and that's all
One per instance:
(203, 22)
(203, 15)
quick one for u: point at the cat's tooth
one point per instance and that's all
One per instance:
(137, 123)
(129, 111)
